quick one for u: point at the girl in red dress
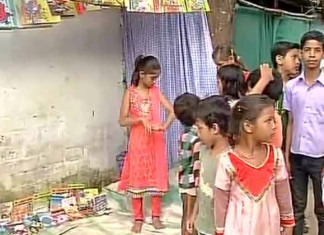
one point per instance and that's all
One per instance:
(145, 171)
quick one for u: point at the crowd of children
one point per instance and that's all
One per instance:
(245, 155)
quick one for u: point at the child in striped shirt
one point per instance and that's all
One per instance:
(184, 108)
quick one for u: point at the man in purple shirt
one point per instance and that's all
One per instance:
(304, 101)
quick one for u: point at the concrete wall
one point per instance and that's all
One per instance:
(59, 100)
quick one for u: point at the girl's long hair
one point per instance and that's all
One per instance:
(144, 64)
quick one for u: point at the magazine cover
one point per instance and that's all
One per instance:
(169, 6)
(34, 13)
(70, 9)
(197, 5)
(77, 191)
(7, 15)
(57, 7)
(99, 204)
(58, 194)
(90, 193)
(148, 6)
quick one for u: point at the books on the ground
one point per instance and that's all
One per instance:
(41, 202)
(99, 204)
(21, 208)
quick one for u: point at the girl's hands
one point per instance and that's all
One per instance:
(158, 127)
(147, 125)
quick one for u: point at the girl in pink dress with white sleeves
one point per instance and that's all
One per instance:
(252, 193)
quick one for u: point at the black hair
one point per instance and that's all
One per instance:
(312, 35)
(274, 87)
(282, 48)
(145, 64)
(214, 110)
(185, 106)
(224, 51)
(248, 108)
(232, 79)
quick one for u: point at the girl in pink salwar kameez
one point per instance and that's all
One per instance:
(145, 171)
(252, 193)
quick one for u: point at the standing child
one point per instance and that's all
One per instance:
(145, 170)
(252, 194)
(304, 102)
(274, 91)
(285, 59)
(230, 82)
(212, 120)
(224, 54)
(184, 107)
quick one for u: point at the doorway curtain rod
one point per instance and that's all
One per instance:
(277, 11)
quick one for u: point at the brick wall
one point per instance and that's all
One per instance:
(59, 101)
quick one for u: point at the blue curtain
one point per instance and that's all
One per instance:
(182, 44)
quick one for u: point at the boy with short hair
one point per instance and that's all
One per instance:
(304, 102)
(212, 119)
(184, 108)
(285, 59)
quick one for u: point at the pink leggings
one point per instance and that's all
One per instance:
(137, 204)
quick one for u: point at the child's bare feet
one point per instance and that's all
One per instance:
(157, 224)
(137, 227)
